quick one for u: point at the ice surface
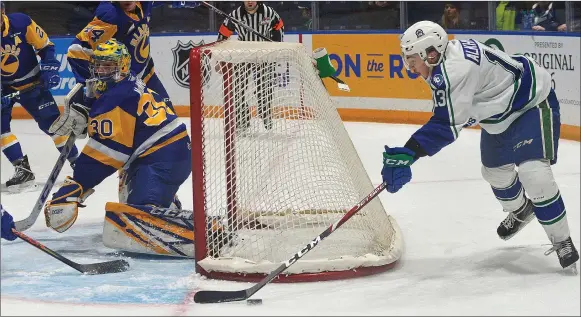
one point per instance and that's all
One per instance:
(453, 263)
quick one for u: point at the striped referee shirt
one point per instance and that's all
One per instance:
(264, 21)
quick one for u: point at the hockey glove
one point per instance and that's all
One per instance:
(6, 102)
(396, 170)
(49, 75)
(75, 116)
(62, 211)
(7, 225)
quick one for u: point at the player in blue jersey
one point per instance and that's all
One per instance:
(127, 22)
(510, 97)
(22, 41)
(131, 128)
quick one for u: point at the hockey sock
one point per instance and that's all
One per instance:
(60, 141)
(11, 147)
(552, 215)
(539, 182)
(511, 197)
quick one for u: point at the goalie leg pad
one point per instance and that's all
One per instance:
(148, 229)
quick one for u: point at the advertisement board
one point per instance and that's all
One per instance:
(67, 78)
(372, 65)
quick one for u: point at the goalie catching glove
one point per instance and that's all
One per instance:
(74, 118)
(61, 212)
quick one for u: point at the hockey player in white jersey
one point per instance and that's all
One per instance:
(512, 100)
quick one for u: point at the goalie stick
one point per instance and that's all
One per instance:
(26, 223)
(341, 84)
(203, 297)
(115, 266)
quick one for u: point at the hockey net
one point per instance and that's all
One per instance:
(273, 167)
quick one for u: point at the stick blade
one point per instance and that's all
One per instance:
(343, 87)
(116, 266)
(206, 297)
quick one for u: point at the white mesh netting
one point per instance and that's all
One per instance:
(279, 166)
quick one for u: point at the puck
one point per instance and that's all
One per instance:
(254, 301)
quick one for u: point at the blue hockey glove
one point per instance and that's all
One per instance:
(61, 212)
(7, 225)
(6, 101)
(184, 4)
(396, 170)
(49, 75)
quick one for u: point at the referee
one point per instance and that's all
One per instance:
(265, 21)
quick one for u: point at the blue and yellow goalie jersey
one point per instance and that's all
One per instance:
(128, 122)
(22, 40)
(111, 21)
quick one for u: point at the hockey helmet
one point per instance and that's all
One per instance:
(421, 38)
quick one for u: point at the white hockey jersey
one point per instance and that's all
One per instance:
(476, 84)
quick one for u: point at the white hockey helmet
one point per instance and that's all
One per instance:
(421, 38)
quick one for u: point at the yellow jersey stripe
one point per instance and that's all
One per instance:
(171, 140)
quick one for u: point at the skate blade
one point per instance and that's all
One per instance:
(22, 188)
(572, 269)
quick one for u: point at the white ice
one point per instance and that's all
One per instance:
(453, 264)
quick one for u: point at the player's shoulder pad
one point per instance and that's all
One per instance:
(454, 68)
(107, 12)
(19, 21)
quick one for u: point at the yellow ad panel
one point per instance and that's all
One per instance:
(372, 66)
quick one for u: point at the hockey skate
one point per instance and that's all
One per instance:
(516, 220)
(568, 255)
(23, 177)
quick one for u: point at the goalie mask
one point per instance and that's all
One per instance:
(110, 64)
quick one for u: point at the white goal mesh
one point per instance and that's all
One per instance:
(274, 167)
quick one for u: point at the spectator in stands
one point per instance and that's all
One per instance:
(545, 18)
(307, 17)
(382, 15)
(505, 16)
(451, 18)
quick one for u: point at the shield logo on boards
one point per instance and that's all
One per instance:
(181, 58)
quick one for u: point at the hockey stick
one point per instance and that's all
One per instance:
(203, 297)
(341, 84)
(26, 223)
(17, 93)
(115, 266)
